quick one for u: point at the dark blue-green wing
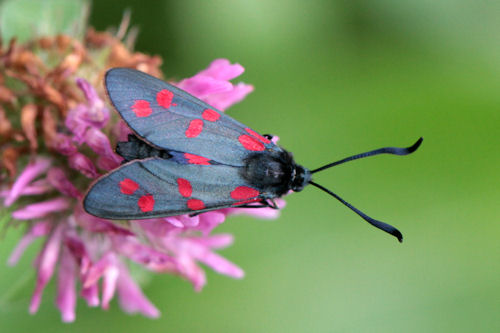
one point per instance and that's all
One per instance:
(155, 187)
(172, 119)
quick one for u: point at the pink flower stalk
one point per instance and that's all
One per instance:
(90, 254)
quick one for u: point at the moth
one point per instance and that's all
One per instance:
(186, 157)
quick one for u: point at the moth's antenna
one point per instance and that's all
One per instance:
(378, 224)
(386, 150)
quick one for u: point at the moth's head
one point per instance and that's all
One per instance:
(300, 178)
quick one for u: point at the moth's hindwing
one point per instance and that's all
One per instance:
(172, 119)
(162, 187)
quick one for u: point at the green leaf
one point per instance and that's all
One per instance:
(28, 19)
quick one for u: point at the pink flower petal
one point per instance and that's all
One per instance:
(173, 220)
(37, 187)
(191, 271)
(91, 295)
(216, 262)
(222, 265)
(79, 251)
(105, 268)
(221, 69)
(98, 225)
(100, 144)
(109, 282)
(39, 229)
(89, 91)
(46, 264)
(63, 145)
(76, 124)
(66, 292)
(131, 298)
(96, 271)
(209, 220)
(142, 254)
(189, 221)
(58, 179)
(121, 131)
(160, 227)
(32, 170)
(202, 86)
(212, 84)
(107, 163)
(97, 141)
(96, 114)
(215, 242)
(82, 163)
(224, 100)
(41, 209)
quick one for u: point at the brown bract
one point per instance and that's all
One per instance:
(38, 86)
(49, 126)
(5, 125)
(6, 95)
(28, 116)
(9, 161)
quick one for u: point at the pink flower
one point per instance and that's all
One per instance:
(212, 85)
(90, 254)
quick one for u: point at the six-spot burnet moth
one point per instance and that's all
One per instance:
(188, 158)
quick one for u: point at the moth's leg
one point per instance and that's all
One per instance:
(268, 136)
(269, 203)
(262, 204)
(252, 206)
(273, 204)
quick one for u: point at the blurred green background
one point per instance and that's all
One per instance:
(335, 78)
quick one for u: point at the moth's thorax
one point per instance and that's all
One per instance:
(275, 173)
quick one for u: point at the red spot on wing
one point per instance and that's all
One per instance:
(142, 108)
(128, 186)
(250, 143)
(210, 115)
(185, 188)
(164, 98)
(244, 193)
(195, 159)
(195, 204)
(195, 128)
(146, 203)
(257, 135)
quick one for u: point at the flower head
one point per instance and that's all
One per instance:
(69, 133)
